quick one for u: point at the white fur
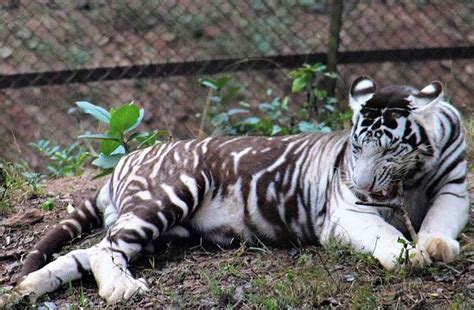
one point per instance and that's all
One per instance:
(115, 281)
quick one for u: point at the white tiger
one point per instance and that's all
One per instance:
(300, 188)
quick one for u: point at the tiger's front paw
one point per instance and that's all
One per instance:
(439, 247)
(418, 257)
(121, 288)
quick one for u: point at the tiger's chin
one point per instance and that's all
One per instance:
(381, 196)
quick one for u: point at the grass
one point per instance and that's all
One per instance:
(469, 132)
(17, 184)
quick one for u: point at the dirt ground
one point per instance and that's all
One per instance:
(198, 275)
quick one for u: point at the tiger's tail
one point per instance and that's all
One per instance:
(83, 220)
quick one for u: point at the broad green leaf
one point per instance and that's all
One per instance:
(275, 130)
(119, 150)
(219, 119)
(97, 112)
(150, 140)
(99, 136)
(319, 67)
(108, 146)
(330, 107)
(299, 84)
(107, 161)
(251, 120)
(331, 75)
(265, 106)
(305, 126)
(325, 129)
(147, 139)
(138, 136)
(209, 83)
(230, 94)
(103, 173)
(222, 81)
(124, 118)
(139, 120)
(231, 112)
(321, 94)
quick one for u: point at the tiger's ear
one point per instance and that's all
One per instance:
(428, 96)
(362, 89)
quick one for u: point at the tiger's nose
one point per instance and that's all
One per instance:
(365, 184)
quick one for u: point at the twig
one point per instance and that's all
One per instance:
(205, 111)
(402, 207)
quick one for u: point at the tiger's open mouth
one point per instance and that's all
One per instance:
(384, 195)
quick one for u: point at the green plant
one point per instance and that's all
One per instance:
(405, 255)
(63, 162)
(363, 298)
(307, 79)
(118, 139)
(17, 181)
(319, 106)
(221, 90)
(273, 116)
(48, 205)
(19, 176)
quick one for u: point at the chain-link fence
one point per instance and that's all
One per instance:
(55, 52)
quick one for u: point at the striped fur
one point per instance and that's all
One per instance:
(299, 189)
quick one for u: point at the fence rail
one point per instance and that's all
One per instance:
(217, 66)
(55, 52)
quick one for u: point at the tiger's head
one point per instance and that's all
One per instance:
(392, 135)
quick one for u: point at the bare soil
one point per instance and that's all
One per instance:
(202, 275)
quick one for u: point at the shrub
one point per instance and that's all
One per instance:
(62, 162)
(273, 117)
(118, 139)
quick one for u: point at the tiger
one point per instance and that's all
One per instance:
(300, 189)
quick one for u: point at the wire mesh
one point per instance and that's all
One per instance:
(49, 35)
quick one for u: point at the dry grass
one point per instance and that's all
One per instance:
(469, 131)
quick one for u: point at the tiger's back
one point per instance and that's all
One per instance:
(247, 188)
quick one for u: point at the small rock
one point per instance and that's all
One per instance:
(5, 52)
(2, 230)
(48, 305)
(443, 278)
(349, 278)
(10, 267)
(239, 293)
(293, 253)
